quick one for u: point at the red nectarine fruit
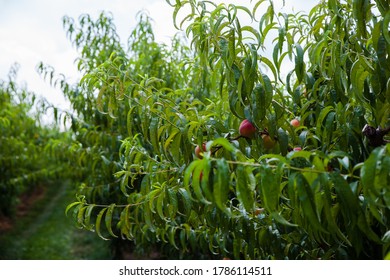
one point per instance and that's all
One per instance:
(199, 151)
(295, 123)
(247, 129)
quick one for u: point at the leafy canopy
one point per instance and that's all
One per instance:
(140, 111)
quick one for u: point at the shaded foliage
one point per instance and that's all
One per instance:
(24, 161)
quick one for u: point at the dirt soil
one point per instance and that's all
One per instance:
(27, 200)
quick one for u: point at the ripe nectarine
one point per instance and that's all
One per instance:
(199, 151)
(295, 123)
(247, 129)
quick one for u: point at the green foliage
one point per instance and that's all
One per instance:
(45, 233)
(24, 164)
(139, 113)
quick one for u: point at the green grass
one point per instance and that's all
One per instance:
(47, 234)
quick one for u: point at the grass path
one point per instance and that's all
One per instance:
(47, 234)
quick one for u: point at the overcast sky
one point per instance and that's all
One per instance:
(31, 31)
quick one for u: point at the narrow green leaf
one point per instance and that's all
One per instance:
(299, 63)
(188, 173)
(350, 207)
(112, 105)
(173, 202)
(125, 218)
(99, 99)
(332, 4)
(283, 141)
(153, 130)
(308, 206)
(252, 31)
(271, 66)
(320, 121)
(330, 218)
(124, 183)
(221, 185)
(147, 214)
(281, 220)
(270, 186)
(360, 11)
(229, 147)
(98, 223)
(358, 76)
(245, 9)
(237, 246)
(245, 186)
(275, 57)
(186, 200)
(200, 181)
(176, 11)
(264, 32)
(171, 237)
(87, 217)
(183, 239)
(151, 197)
(80, 215)
(73, 204)
(204, 179)
(258, 104)
(160, 204)
(129, 121)
(385, 28)
(386, 237)
(256, 6)
(368, 173)
(108, 220)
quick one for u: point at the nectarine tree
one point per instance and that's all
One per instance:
(139, 113)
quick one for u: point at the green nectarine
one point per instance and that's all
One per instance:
(268, 143)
